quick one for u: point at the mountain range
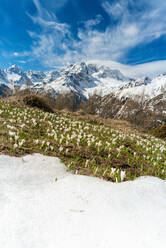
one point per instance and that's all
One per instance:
(83, 79)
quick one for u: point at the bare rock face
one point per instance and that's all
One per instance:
(5, 91)
(148, 114)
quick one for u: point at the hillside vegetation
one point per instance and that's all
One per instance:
(159, 132)
(86, 147)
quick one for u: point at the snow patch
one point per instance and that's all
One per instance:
(42, 205)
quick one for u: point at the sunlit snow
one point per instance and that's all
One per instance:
(43, 206)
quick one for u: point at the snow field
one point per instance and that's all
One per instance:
(42, 205)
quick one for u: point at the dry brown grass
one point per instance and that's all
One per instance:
(14, 100)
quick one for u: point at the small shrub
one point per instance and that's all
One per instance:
(40, 102)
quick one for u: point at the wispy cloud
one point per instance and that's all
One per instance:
(21, 54)
(135, 29)
(22, 61)
(55, 46)
(15, 54)
(150, 69)
(93, 22)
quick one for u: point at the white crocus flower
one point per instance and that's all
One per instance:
(122, 175)
(11, 133)
(16, 137)
(61, 148)
(15, 146)
(48, 143)
(36, 141)
(21, 143)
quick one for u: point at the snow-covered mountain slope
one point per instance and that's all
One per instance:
(15, 75)
(135, 89)
(36, 76)
(143, 89)
(82, 79)
(3, 78)
(85, 79)
(51, 76)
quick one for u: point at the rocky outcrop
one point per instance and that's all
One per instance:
(149, 114)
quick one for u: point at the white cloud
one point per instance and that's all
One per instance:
(115, 9)
(130, 31)
(22, 61)
(91, 23)
(38, 6)
(150, 69)
(20, 54)
(55, 46)
(144, 28)
(54, 4)
(15, 54)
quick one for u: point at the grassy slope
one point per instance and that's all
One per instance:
(86, 148)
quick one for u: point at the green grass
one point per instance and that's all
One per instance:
(86, 148)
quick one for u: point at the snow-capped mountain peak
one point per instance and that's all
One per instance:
(14, 69)
(84, 79)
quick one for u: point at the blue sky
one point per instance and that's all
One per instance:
(50, 34)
